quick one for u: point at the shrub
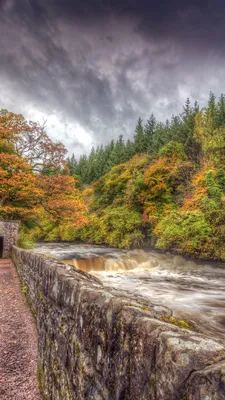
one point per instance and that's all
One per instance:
(183, 231)
(173, 149)
(25, 242)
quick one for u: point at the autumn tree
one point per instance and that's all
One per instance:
(20, 194)
(61, 199)
(34, 184)
(29, 140)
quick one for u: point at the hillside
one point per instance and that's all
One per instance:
(170, 193)
(166, 188)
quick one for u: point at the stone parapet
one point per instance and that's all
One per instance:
(98, 343)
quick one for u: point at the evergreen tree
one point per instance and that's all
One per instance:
(185, 129)
(91, 162)
(220, 121)
(72, 164)
(139, 138)
(149, 131)
(175, 131)
(129, 149)
(82, 169)
(188, 124)
(108, 155)
(159, 137)
(118, 154)
(211, 111)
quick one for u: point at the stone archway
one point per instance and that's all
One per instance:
(8, 237)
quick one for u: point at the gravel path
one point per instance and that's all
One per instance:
(18, 340)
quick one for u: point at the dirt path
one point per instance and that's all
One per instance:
(18, 340)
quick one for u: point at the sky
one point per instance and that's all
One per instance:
(92, 67)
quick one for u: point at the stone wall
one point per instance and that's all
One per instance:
(9, 232)
(98, 343)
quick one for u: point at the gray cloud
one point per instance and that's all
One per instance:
(96, 69)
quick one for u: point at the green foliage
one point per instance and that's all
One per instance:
(6, 147)
(51, 233)
(68, 232)
(208, 204)
(173, 149)
(122, 227)
(118, 227)
(210, 137)
(214, 190)
(139, 138)
(26, 241)
(185, 231)
(221, 179)
(121, 185)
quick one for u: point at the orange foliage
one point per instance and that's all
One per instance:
(160, 172)
(19, 192)
(150, 214)
(198, 189)
(11, 125)
(62, 200)
(24, 194)
(199, 178)
(193, 200)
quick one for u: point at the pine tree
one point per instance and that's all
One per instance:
(118, 154)
(91, 161)
(72, 165)
(129, 149)
(187, 108)
(188, 124)
(82, 169)
(108, 155)
(99, 162)
(221, 111)
(139, 138)
(221, 179)
(175, 130)
(211, 111)
(149, 131)
(159, 137)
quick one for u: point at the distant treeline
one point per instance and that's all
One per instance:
(148, 138)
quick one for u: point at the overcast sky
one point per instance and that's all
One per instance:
(92, 67)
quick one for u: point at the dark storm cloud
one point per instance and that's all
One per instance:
(101, 64)
(196, 18)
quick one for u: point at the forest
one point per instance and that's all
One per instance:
(164, 187)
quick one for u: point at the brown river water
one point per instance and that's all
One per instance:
(193, 290)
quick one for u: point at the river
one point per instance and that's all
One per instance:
(193, 290)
